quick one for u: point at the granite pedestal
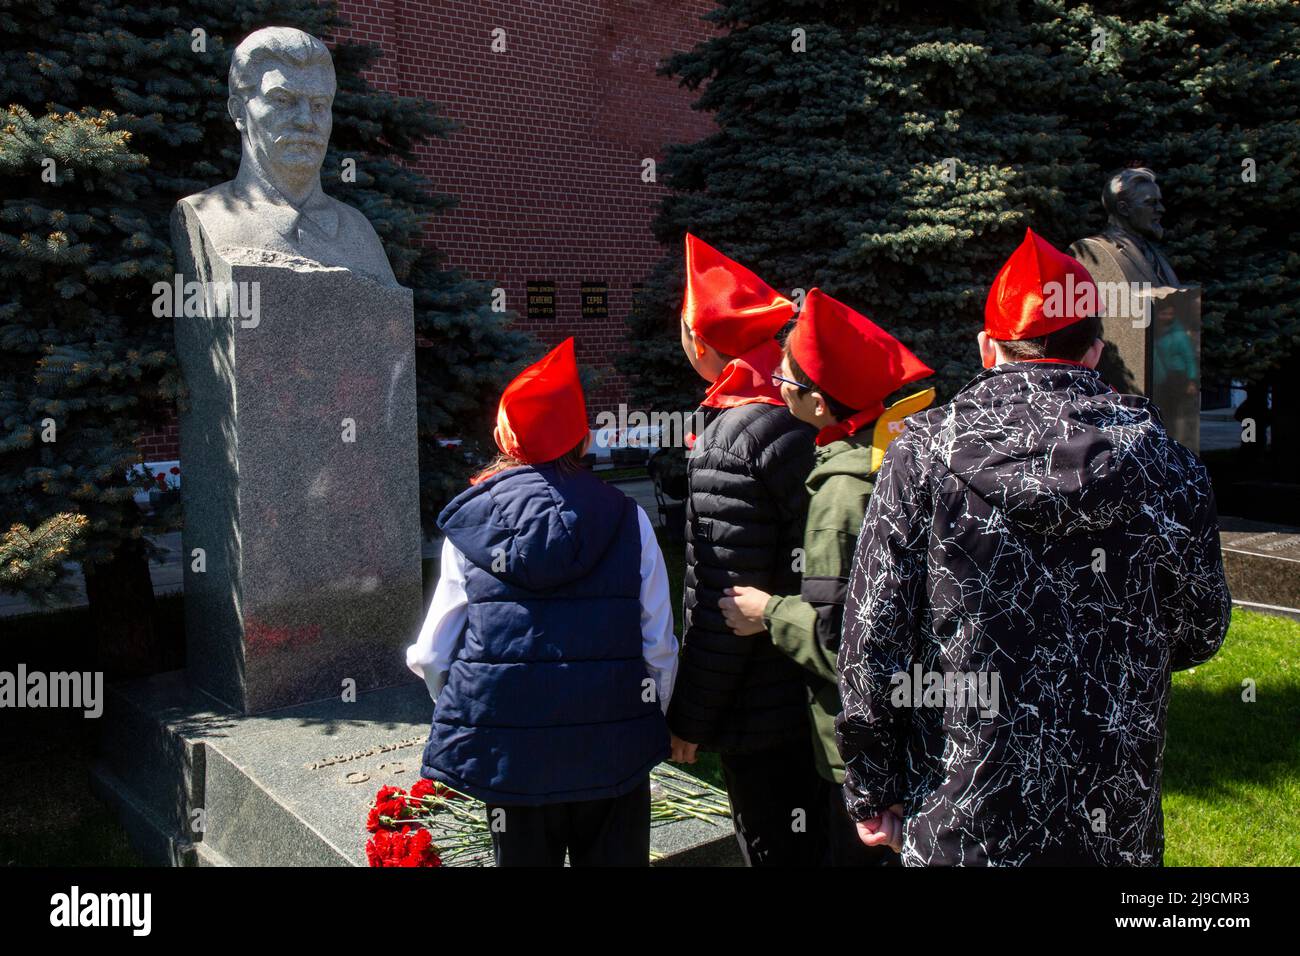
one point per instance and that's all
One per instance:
(301, 484)
(1262, 564)
(199, 784)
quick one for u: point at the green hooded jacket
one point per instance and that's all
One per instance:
(806, 626)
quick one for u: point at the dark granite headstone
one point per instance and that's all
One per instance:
(1262, 564)
(1174, 363)
(595, 299)
(541, 299)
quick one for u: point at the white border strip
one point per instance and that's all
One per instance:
(1268, 607)
(1257, 554)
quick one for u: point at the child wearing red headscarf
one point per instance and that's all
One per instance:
(548, 647)
(740, 696)
(837, 370)
(1041, 555)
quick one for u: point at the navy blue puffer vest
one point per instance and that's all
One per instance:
(545, 700)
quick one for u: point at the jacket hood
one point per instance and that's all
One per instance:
(534, 527)
(1054, 448)
(848, 456)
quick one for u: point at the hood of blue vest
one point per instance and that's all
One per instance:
(534, 526)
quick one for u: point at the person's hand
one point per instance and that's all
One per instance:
(884, 830)
(683, 750)
(742, 608)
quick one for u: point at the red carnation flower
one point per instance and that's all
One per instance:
(377, 848)
(402, 848)
(432, 788)
(419, 850)
(391, 801)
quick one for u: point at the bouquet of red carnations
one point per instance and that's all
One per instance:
(402, 824)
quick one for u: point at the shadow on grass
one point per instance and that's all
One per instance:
(1217, 743)
(48, 815)
(93, 839)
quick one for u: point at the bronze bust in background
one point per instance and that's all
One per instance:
(1126, 250)
(1152, 321)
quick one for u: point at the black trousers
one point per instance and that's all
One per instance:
(610, 832)
(778, 804)
(844, 847)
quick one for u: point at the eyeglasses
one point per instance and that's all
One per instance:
(777, 381)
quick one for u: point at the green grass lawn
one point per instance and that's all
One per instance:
(1232, 769)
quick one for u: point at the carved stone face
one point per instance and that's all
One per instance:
(1140, 209)
(286, 121)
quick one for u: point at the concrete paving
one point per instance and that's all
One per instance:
(1219, 435)
(642, 491)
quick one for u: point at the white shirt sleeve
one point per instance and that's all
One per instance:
(430, 656)
(658, 642)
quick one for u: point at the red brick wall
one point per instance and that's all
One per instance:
(162, 445)
(547, 162)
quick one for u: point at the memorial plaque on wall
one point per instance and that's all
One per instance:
(595, 300)
(541, 298)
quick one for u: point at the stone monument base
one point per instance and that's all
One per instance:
(197, 784)
(1262, 564)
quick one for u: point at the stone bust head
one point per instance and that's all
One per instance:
(1133, 203)
(281, 95)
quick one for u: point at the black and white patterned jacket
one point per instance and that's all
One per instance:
(1044, 532)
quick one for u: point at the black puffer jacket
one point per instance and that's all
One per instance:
(744, 525)
(1045, 531)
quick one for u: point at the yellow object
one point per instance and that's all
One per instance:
(890, 424)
